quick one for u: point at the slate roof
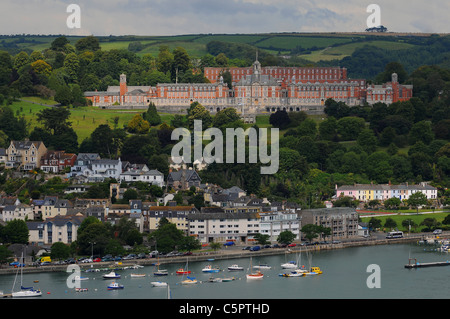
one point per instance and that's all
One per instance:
(223, 215)
(25, 145)
(176, 176)
(59, 220)
(385, 187)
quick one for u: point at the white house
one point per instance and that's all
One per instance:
(140, 172)
(21, 211)
(95, 169)
(275, 222)
(215, 225)
(105, 168)
(83, 164)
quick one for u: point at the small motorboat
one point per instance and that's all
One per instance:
(262, 266)
(159, 284)
(111, 275)
(81, 289)
(235, 268)
(81, 278)
(209, 268)
(182, 271)
(212, 279)
(293, 274)
(136, 266)
(313, 271)
(289, 265)
(114, 285)
(228, 279)
(298, 272)
(137, 275)
(189, 281)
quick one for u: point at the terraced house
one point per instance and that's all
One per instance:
(381, 192)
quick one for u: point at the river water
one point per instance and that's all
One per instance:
(345, 276)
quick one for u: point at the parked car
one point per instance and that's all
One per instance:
(255, 248)
(96, 260)
(130, 256)
(229, 243)
(292, 245)
(17, 264)
(172, 254)
(246, 248)
(141, 256)
(86, 260)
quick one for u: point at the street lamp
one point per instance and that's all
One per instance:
(92, 249)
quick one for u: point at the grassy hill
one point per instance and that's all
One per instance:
(341, 51)
(86, 119)
(319, 46)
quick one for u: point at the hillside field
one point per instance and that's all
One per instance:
(323, 46)
(86, 119)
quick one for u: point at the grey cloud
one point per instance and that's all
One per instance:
(164, 17)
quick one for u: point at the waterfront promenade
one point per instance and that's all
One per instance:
(227, 253)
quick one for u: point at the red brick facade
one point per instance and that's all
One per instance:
(256, 89)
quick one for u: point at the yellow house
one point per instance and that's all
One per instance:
(54, 206)
(369, 194)
(174, 214)
(25, 155)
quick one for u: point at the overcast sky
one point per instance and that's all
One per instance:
(174, 17)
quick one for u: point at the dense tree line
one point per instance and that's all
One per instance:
(369, 61)
(64, 71)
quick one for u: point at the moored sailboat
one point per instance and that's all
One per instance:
(254, 275)
(24, 292)
(183, 271)
(189, 281)
(160, 272)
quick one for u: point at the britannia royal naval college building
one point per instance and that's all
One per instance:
(255, 89)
